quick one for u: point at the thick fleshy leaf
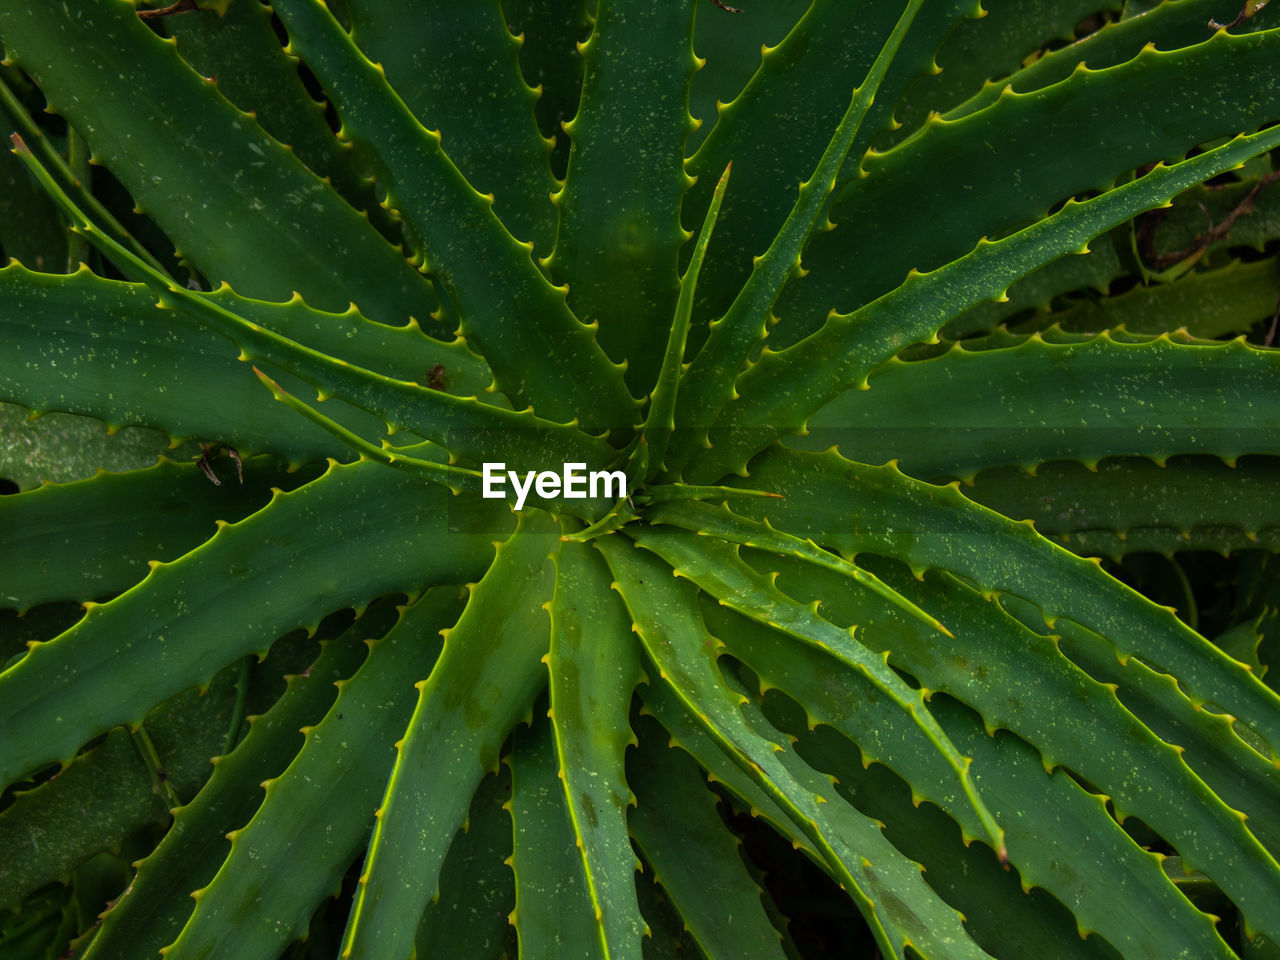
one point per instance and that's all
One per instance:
(847, 348)
(465, 710)
(234, 201)
(1133, 505)
(1000, 555)
(869, 868)
(550, 359)
(594, 665)
(1043, 401)
(277, 872)
(488, 130)
(158, 902)
(619, 229)
(301, 554)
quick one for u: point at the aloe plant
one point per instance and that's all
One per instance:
(345, 258)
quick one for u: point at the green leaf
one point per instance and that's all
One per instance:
(1002, 917)
(986, 47)
(154, 514)
(63, 447)
(695, 857)
(619, 232)
(1208, 303)
(271, 229)
(158, 902)
(183, 380)
(315, 816)
(1043, 401)
(1130, 505)
(999, 555)
(801, 86)
(855, 851)
(31, 229)
(477, 893)
(660, 420)
(239, 49)
(717, 568)
(488, 125)
(887, 218)
(550, 359)
(554, 916)
(1087, 730)
(708, 382)
(465, 710)
(847, 348)
(301, 554)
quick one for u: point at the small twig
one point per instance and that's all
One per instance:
(1202, 241)
(205, 468)
(1248, 10)
(182, 6)
(724, 6)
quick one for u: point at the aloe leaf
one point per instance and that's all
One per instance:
(553, 915)
(465, 710)
(455, 478)
(1168, 25)
(992, 45)
(948, 164)
(1087, 274)
(155, 514)
(1089, 731)
(1207, 742)
(400, 352)
(238, 48)
(689, 734)
(724, 524)
(52, 318)
(73, 180)
(488, 126)
(1057, 401)
(842, 699)
(1131, 505)
(477, 892)
(594, 665)
(1208, 303)
(550, 359)
(800, 87)
(301, 547)
(454, 422)
(695, 857)
(188, 382)
(158, 903)
(44, 834)
(731, 48)
(62, 447)
(854, 849)
(619, 232)
(709, 380)
(660, 420)
(847, 348)
(1001, 915)
(1001, 555)
(282, 217)
(549, 32)
(716, 567)
(277, 872)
